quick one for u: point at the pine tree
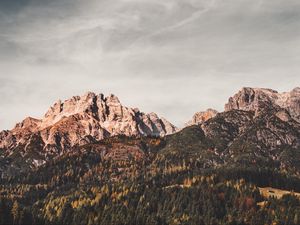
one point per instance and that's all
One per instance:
(4, 212)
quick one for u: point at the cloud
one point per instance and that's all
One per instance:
(173, 57)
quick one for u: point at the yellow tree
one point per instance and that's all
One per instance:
(15, 211)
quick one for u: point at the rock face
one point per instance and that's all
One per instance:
(259, 128)
(239, 139)
(257, 124)
(200, 117)
(81, 120)
(261, 99)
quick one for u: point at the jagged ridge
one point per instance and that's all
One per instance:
(77, 121)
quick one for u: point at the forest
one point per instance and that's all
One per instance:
(178, 179)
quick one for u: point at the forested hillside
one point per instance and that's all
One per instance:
(214, 172)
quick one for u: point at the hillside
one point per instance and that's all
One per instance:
(209, 173)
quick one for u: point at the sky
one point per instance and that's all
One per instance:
(172, 57)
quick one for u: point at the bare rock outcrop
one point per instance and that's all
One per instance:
(200, 117)
(81, 120)
(262, 99)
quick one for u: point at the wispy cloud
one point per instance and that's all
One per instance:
(173, 56)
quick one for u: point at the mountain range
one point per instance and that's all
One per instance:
(92, 140)
(77, 121)
(90, 118)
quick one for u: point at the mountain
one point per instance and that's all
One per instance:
(210, 172)
(256, 132)
(258, 99)
(200, 117)
(74, 122)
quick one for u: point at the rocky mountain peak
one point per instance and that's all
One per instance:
(84, 119)
(29, 123)
(296, 89)
(259, 99)
(112, 99)
(200, 117)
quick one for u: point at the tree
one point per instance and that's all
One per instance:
(15, 212)
(4, 212)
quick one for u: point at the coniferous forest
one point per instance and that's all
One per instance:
(171, 185)
(208, 133)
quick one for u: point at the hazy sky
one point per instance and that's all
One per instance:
(173, 57)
